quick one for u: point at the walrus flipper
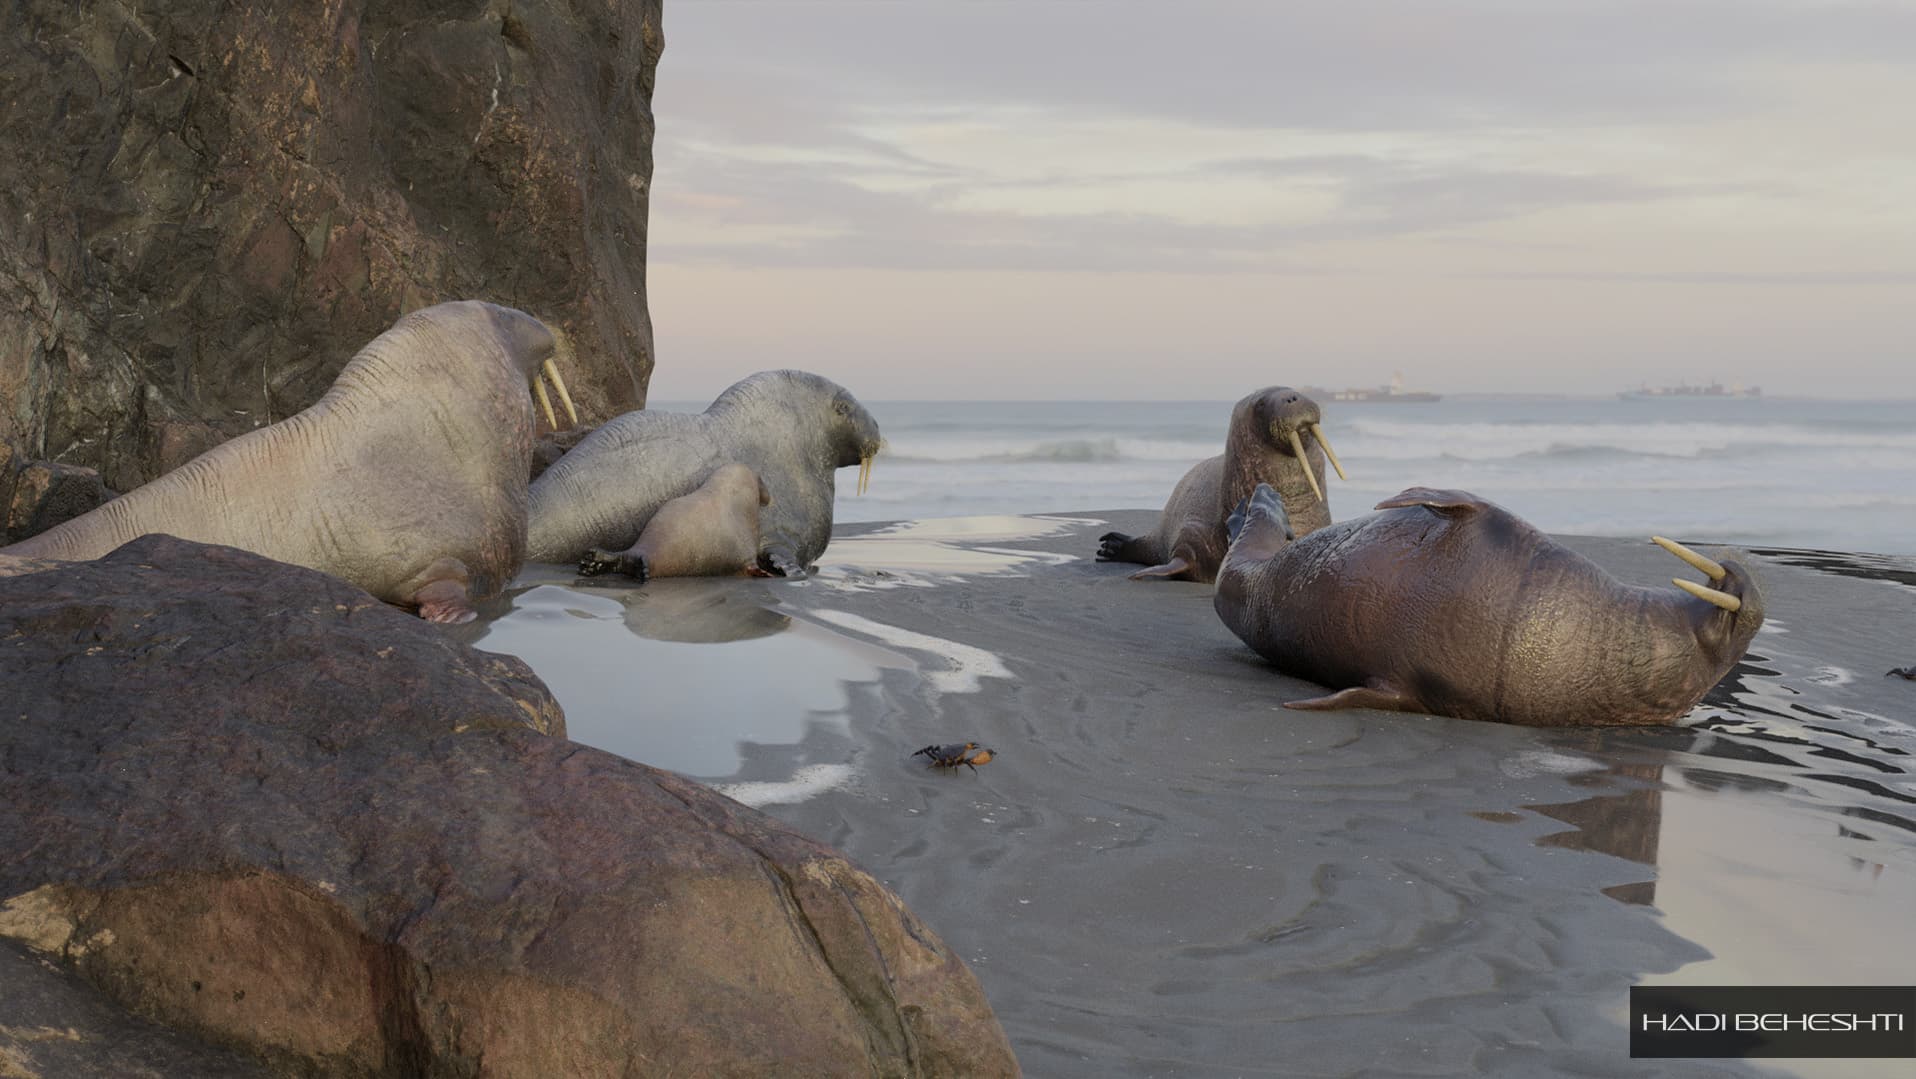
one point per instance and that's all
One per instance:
(1385, 699)
(1262, 503)
(1122, 547)
(445, 602)
(783, 562)
(1176, 568)
(1448, 503)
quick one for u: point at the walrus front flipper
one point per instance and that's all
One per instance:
(1258, 528)
(1178, 568)
(1121, 547)
(782, 561)
(1384, 700)
(1448, 503)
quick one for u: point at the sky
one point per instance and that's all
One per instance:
(1109, 200)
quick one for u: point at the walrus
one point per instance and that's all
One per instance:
(1908, 672)
(794, 429)
(1263, 445)
(712, 532)
(1448, 604)
(408, 478)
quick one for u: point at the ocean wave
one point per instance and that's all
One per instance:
(1388, 439)
(1086, 450)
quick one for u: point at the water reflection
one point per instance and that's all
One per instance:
(688, 675)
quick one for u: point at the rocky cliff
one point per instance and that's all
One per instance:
(209, 205)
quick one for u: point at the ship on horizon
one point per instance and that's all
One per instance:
(1647, 392)
(1394, 393)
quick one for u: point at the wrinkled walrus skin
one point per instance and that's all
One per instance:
(408, 478)
(795, 429)
(1447, 604)
(1267, 428)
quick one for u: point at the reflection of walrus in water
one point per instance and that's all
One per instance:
(793, 428)
(712, 532)
(407, 478)
(1263, 445)
(1445, 603)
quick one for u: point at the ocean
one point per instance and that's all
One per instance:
(1836, 475)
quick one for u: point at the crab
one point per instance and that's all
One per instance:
(969, 754)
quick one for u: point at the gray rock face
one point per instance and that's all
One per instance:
(246, 192)
(254, 803)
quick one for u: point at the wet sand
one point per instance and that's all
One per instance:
(1165, 873)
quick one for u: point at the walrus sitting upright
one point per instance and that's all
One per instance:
(712, 532)
(1447, 604)
(1263, 445)
(408, 478)
(793, 428)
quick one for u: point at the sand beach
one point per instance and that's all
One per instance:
(1163, 872)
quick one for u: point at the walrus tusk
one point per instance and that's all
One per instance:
(1317, 432)
(1714, 571)
(1297, 447)
(864, 473)
(1709, 595)
(551, 370)
(545, 403)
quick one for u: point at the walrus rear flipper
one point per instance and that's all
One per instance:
(1384, 700)
(442, 592)
(1448, 503)
(1172, 570)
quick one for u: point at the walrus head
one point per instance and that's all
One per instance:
(1735, 605)
(856, 435)
(1274, 421)
(846, 433)
(522, 341)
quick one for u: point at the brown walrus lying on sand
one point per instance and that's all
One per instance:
(1447, 604)
(1263, 445)
(408, 478)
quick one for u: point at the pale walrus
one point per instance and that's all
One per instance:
(793, 428)
(407, 478)
(1447, 604)
(712, 532)
(1263, 445)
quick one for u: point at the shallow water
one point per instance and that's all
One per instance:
(1163, 873)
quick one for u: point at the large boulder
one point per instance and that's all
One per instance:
(254, 803)
(36, 495)
(206, 206)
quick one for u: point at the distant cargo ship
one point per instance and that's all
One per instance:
(1395, 393)
(1714, 389)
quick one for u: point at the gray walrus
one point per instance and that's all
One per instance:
(793, 428)
(1263, 445)
(407, 478)
(1448, 604)
(712, 532)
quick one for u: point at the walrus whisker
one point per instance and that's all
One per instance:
(545, 403)
(1709, 595)
(1317, 432)
(551, 370)
(1297, 447)
(1713, 570)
